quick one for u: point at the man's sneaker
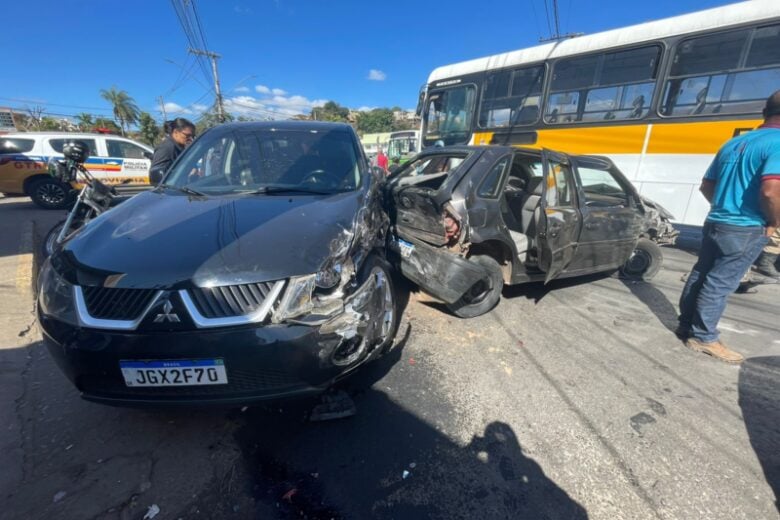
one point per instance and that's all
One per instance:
(715, 349)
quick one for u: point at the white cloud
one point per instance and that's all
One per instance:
(271, 106)
(171, 107)
(242, 89)
(376, 75)
(200, 108)
(262, 89)
(365, 109)
(279, 92)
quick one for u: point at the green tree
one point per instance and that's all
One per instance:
(210, 119)
(330, 111)
(85, 121)
(148, 130)
(374, 121)
(103, 122)
(125, 110)
(51, 124)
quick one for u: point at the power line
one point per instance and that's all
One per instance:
(557, 21)
(547, 13)
(184, 21)
(34, 102)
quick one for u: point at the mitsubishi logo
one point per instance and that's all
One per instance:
(166, 314)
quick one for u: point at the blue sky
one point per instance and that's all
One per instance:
(279, 56)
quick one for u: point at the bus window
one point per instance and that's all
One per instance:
(511, 98)
(713, 75)
(449, 114)
(611, 86)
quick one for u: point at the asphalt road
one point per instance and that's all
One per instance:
(573, 400)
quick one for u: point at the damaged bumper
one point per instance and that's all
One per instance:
(444, 275)
(272, 361)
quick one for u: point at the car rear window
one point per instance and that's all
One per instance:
(16, 145)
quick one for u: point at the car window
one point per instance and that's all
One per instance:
(429, 167)
(124, 149)
(57, 144)
(491, 185)
(15, 145)
(250, 160)
(559, 185)
(601, 188)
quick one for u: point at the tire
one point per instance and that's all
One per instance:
(645, 261)
(392, 318)
(485, 294)
(50, 194)
(49, 242)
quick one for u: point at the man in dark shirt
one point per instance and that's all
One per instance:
(181, 133)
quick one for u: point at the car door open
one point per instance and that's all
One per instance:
(557, 217)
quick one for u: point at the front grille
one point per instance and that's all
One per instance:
(240, 382)
(230, 300)
(110, 303)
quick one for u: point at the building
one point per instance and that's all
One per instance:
(373, 142)
(7, 121)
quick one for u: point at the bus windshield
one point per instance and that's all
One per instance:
(448, 115)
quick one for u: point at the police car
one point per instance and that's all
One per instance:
(24, 158)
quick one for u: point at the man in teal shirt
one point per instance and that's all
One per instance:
(743, 187)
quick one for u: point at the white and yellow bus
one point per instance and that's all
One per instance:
(659, 98)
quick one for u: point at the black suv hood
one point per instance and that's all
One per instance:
(170, 240)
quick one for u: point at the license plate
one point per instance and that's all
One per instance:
(404, 247)
(190, 372)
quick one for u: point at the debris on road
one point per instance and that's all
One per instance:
(337, 405)
(59, 496)
(153, 511)
(405, 474)
(289, 495)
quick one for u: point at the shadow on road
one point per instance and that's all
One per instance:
(388, 462)
(759, 398)
(655, 300)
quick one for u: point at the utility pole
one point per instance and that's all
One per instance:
(162, 108)
(213, 56)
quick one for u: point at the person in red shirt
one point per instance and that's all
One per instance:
(381, 160)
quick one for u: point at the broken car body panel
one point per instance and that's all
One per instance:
(540, 215)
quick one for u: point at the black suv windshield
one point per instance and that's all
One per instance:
(268, 160)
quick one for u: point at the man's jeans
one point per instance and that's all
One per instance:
(726, 254)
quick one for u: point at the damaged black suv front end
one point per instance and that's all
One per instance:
(255, 272)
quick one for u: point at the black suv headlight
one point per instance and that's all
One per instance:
(56, 295)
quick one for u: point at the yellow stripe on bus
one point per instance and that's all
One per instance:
(667, 138)
(701, 138)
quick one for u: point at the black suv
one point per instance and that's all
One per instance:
(255, 270)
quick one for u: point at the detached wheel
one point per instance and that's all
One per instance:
(483, 295)
(50, 194)
(645, 261)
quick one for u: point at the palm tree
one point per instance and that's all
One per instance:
(85, 121)
(125, 110)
